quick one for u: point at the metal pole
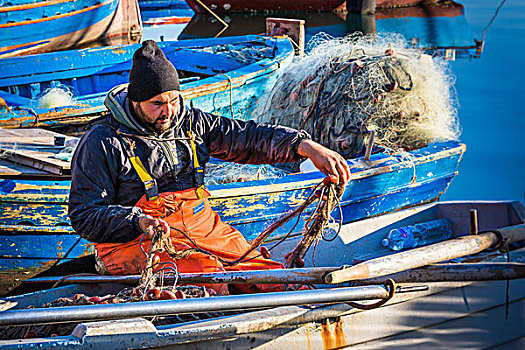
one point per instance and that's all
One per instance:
(184, 306)
(489, 271)
(312, 275)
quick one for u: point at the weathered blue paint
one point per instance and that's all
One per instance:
(91, 73)
(384, 184)
(26, 24)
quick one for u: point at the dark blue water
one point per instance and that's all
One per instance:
(490, 88)
(491, 92)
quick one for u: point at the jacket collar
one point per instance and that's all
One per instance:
(119, 105)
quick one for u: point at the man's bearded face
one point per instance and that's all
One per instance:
(158, 112)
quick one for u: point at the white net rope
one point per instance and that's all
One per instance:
(345, 87)
(218, 173)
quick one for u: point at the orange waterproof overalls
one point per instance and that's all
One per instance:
(188, 211)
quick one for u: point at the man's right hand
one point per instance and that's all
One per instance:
(326, 160)
(147, 223)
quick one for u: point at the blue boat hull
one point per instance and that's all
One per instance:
(35, 27)
(231, 86)
(36, 230)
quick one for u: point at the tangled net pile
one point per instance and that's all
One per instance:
(346, 87)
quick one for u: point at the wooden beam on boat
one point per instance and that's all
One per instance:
(427, 255)
(11, 169)
(312, 275)
(34, 148)
(491, 271)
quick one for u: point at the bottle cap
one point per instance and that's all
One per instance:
(384, 242)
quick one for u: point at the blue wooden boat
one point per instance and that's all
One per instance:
(35, 229)
(444, 310)
(159, 12)
(35, 26)
(229, 86)
(168, 16)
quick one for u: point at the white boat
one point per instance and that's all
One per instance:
(463, 310)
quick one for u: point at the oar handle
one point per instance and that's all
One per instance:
(426, 255)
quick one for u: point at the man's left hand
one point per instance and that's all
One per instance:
(147, 223)
(326, 160)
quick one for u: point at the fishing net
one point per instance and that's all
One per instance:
(346, 87)
(224, 172)
(58, 96)
(243, 52)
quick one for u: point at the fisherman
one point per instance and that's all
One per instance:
(141, 166)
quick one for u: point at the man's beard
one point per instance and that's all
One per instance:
(157, 128)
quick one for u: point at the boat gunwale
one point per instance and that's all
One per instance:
(55, 17)
(254, 321)
(32, 5)
(269, 186)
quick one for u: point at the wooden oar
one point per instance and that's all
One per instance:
(427, 255)
(490, 271)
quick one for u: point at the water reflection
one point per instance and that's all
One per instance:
(440, 28)
(206, 26)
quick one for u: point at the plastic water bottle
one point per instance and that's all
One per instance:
(418, 235)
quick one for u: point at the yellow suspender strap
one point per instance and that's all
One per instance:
(199, 172)
(145, 177)
(150, 185)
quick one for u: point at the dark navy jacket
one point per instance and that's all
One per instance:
(105, 186)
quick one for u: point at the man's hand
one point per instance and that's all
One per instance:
(148, 222)
(326, 160)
